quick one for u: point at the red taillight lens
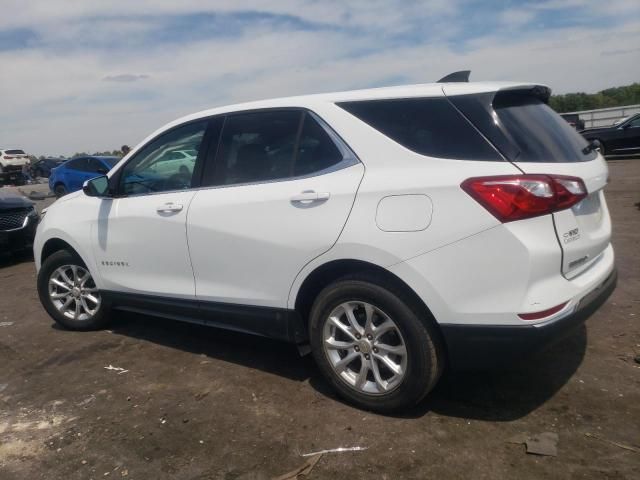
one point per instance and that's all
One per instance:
(515, 197)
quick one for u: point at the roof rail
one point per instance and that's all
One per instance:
(461, 76)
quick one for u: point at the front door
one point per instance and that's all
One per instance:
(140, 240)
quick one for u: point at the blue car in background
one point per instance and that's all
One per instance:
(71, 175)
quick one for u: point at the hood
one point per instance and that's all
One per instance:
(10, 200)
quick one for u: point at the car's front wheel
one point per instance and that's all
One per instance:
(69, 294)
(372, 346)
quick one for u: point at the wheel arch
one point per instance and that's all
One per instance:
(333, 270)
(54, 245)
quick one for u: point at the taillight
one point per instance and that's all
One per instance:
(515, 197)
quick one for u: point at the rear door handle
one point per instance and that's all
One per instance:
(310, 196)
(169, 208)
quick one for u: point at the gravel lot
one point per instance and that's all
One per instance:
(197, 403)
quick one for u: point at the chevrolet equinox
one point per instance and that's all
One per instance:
(391, 232)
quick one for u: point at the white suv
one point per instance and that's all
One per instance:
(13, 160)
(391, 231)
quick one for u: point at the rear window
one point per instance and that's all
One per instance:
(428, 126)
(14, 152)
(523, 127)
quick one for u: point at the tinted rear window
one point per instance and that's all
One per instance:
(14, 152)
(428, 126)
(523, 127)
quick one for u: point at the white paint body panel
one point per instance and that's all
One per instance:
(145, 251)
(248, 243)
(404, 213)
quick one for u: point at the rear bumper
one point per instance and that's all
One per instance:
(489, 346)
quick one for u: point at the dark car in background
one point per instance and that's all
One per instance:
(43, 167)
(18, 221)
(621, 138)
(70, 176)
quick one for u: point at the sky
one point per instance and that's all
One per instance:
(92, 75)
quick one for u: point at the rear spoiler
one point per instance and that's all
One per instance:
(461, 76)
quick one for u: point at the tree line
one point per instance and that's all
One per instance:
(611, 97)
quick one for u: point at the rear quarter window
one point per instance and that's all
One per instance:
(428, 126)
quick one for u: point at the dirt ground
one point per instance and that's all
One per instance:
(197, 403)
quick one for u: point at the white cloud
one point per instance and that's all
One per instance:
(86, 98)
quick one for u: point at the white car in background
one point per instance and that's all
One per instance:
(12, 160)
(390, 231)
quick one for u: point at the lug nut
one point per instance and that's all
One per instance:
(358, 336)
(366, 356)
(375, 349)
(370, 337)
(357, 348)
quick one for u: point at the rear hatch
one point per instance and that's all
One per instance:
(529, 134)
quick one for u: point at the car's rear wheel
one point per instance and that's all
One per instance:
(372, 346)
(69, 294)
(60, 190)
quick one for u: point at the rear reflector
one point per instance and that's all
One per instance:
(515, 197)
(543, 313)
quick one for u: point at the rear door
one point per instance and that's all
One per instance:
(538, 141)
(276, 195)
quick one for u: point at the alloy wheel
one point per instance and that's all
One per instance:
(74, 293)
(365, 348)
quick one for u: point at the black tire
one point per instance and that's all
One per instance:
(50, 265)
(425, 360)
(59, 190)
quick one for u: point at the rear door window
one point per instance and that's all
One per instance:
(428, 126)
(96, 166)
(257, 147)
(77, 164)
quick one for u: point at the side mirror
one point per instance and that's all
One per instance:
(96, 187)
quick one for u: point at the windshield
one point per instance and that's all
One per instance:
(14, 152)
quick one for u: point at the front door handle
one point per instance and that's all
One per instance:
(310, 196)
(169, 208)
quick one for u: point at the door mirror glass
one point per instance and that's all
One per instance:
(97, 187)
